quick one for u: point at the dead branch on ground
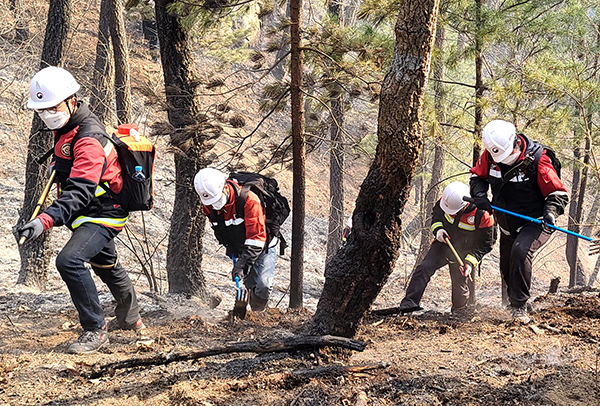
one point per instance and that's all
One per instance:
(296, 343)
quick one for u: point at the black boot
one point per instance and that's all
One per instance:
(256, 303)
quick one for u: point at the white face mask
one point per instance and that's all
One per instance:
(218, 205)
(512, 158)
(54, 119)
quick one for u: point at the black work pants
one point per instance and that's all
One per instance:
(94, 244)
(516, 258)
(439, 254)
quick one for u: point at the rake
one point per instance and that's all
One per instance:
(595, 243)
(241, 299)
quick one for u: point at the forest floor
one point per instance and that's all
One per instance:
(428, 358)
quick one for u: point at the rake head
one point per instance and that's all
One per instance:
(594, 247)
(241, 303)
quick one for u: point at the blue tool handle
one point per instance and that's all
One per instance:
(237, 278)
(537, 221)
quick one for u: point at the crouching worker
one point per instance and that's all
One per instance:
(469, 230)
(83, 158)
(244, 235)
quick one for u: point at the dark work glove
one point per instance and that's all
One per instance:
(237, 271)
(548, 220)
(483, 203)
(31, 230)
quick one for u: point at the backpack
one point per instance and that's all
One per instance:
(276, 206)
(134, 150)
(550, 153)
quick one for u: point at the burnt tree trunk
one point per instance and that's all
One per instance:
(355, 275)
(184, 255)
(102, 91)
(336, 158)
(336, 175)
(121, 54)
(572, 241)
(299, 154)
(35, 255)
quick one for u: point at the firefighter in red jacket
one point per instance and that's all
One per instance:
(83, 159)
(244, 237)
(470, 232)
(523, 180)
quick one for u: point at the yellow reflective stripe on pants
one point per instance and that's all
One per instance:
(110, 222)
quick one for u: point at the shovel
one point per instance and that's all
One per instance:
(458, 258)
(40, 202)
(594, 248)
(241, 299)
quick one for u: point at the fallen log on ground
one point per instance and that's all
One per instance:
(296, 343)
(387, 311)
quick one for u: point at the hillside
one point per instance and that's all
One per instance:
(429, 358)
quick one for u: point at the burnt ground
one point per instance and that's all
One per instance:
(432, 358)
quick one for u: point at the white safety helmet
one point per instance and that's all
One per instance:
(452, 197)
(209, 184)
(50, 86)
(499, 138)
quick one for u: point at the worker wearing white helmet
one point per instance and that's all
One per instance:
(469, 230)
(524, 178)
(244, 234)
(83, 159)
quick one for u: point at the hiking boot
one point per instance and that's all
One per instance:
(89, 341)
(520, 314)
(139, 327)
(256, 303)
(405, 309)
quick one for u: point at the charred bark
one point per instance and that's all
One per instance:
(35, 255)
(355, 275)
(184, 255)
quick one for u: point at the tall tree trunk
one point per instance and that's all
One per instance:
(120, 47)
(336, 159)
(439, 159)
(336, 176)
(572, 242)
(184, 255)
(479, 89)
(35, 255)
(299, 154)
(355, 275)
(102, 91)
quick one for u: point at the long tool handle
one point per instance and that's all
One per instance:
(458, 258)
(538, 221)
(40, 202)
(237, 278)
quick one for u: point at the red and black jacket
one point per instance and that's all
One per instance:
(244, 237)
(531, 191)
(471, 231)
(84, 158)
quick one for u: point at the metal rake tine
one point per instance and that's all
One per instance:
(595, 247)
